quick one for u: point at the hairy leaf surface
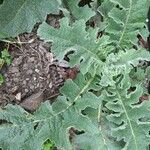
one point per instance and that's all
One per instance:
(21, 15)
(75, 38)
(50, 122)
(128, 115)
(100, 103)
(75, 12)
(125, 19)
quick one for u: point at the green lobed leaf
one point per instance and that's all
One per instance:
(125, 20)
(79, 106)
(96, 142)
(68, 38)
(102, 138)
(127, 115)
(21, 15)
(49, 122)
(117, 63)
(75, 12)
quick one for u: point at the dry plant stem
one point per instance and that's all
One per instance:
(17, 42)
(53, 96)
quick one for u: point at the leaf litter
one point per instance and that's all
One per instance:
(34, 74)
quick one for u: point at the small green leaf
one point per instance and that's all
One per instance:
(6, 56)
(1, 79)
(48, 145)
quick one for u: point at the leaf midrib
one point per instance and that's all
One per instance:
(126, 22)
(56, 36)
(63, 111)
(128, 119)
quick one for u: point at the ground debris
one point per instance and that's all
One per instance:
(33, 69)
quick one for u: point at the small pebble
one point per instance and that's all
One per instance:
(49, 56)
(25, 66)
(29, 72)
(37, 70)
(31, 87)
(26, 90)
(14, 70)
(50, 85)
(18, 96)
(17, 74)
(24, 82)
(16, 80)
(31, 59)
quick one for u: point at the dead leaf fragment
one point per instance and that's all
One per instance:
(32, 102)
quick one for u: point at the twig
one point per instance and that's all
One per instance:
(18, 42)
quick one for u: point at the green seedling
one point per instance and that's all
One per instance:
(5, 58)
(1, 79)
(48, 145)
